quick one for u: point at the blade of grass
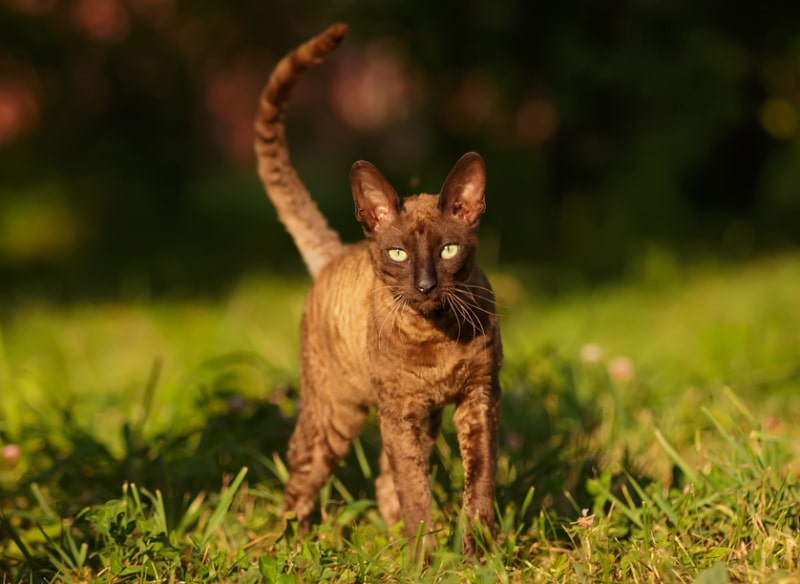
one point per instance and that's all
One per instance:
(150, 392)
(191, 515)
(278, 468)
(59, 557)
(6, 526)
(219, 513)
(740, 449)
(342, 490)
(629, 512)
(352, 510)
(159, 513)
(739, 405)
(687, 470)
(10, 418)
(363, 463)
(44, 505)
(79, 552)
(655, 500)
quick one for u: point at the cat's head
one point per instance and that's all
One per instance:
(422, 247)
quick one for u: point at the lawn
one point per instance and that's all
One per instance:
(649, 433)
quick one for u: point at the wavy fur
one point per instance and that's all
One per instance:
(315, 240)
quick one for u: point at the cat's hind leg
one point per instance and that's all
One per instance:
(321, 439)
(386, 494)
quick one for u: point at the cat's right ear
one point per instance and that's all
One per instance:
(376, 201)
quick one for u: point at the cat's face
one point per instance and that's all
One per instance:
(423, 247)
(424, 255)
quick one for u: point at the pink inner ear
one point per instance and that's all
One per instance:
(463, 190)
(469, 206)
(380, 213)
(376, 200)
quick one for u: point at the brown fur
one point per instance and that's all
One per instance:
(407, 337)
(316, 242)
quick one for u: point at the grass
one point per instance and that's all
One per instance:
(648, 435)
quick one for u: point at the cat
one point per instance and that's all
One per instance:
(403, 321)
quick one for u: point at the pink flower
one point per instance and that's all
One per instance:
(621, 369)
(515, 440)
(236, 404)
(11, 454)
(585, 520)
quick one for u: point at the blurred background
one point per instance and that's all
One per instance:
(620, 137)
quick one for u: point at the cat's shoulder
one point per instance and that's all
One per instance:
(351, 264)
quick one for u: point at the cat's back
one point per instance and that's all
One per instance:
(335, 320)
(336, 314)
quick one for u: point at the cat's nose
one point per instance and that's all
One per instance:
(425, 285)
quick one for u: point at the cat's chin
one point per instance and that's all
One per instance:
(427, 307)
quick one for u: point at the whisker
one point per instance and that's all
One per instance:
(476, 287)
(395, 305)
(391, 289)
(466, 313)
(473, 303)
(474, 320)
(390, 315)
(479, 308)
(449, 301)
(481, 292)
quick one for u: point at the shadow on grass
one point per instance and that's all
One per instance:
(548, 419)
(74, 468)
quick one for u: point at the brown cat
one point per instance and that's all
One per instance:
(404, 321)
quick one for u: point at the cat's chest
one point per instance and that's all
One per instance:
(417, 357)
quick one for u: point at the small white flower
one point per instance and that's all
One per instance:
(591, 354)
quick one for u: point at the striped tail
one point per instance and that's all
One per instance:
(315, 240)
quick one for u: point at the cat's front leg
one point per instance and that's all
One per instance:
(385, 490)
(407, 442)
(476, 420)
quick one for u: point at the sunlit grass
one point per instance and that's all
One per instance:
(648, 434)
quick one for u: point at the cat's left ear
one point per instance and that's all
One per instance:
(377, 203)
(462, 192)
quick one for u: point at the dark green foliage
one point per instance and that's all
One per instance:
(610, 131)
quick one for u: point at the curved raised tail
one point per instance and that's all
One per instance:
(315, 240)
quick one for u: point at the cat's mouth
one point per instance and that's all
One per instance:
(427, 305)
(452, 306)
(424, 304)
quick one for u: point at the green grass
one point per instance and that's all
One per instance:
(151, 440)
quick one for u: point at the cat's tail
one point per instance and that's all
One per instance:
(315, 240)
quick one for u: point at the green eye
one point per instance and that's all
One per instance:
(398, 255)
(449, 251)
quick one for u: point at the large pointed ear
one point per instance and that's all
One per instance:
(376, 201)
(462, 192)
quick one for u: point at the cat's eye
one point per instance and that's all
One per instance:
(449, 251)
(398, 255)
